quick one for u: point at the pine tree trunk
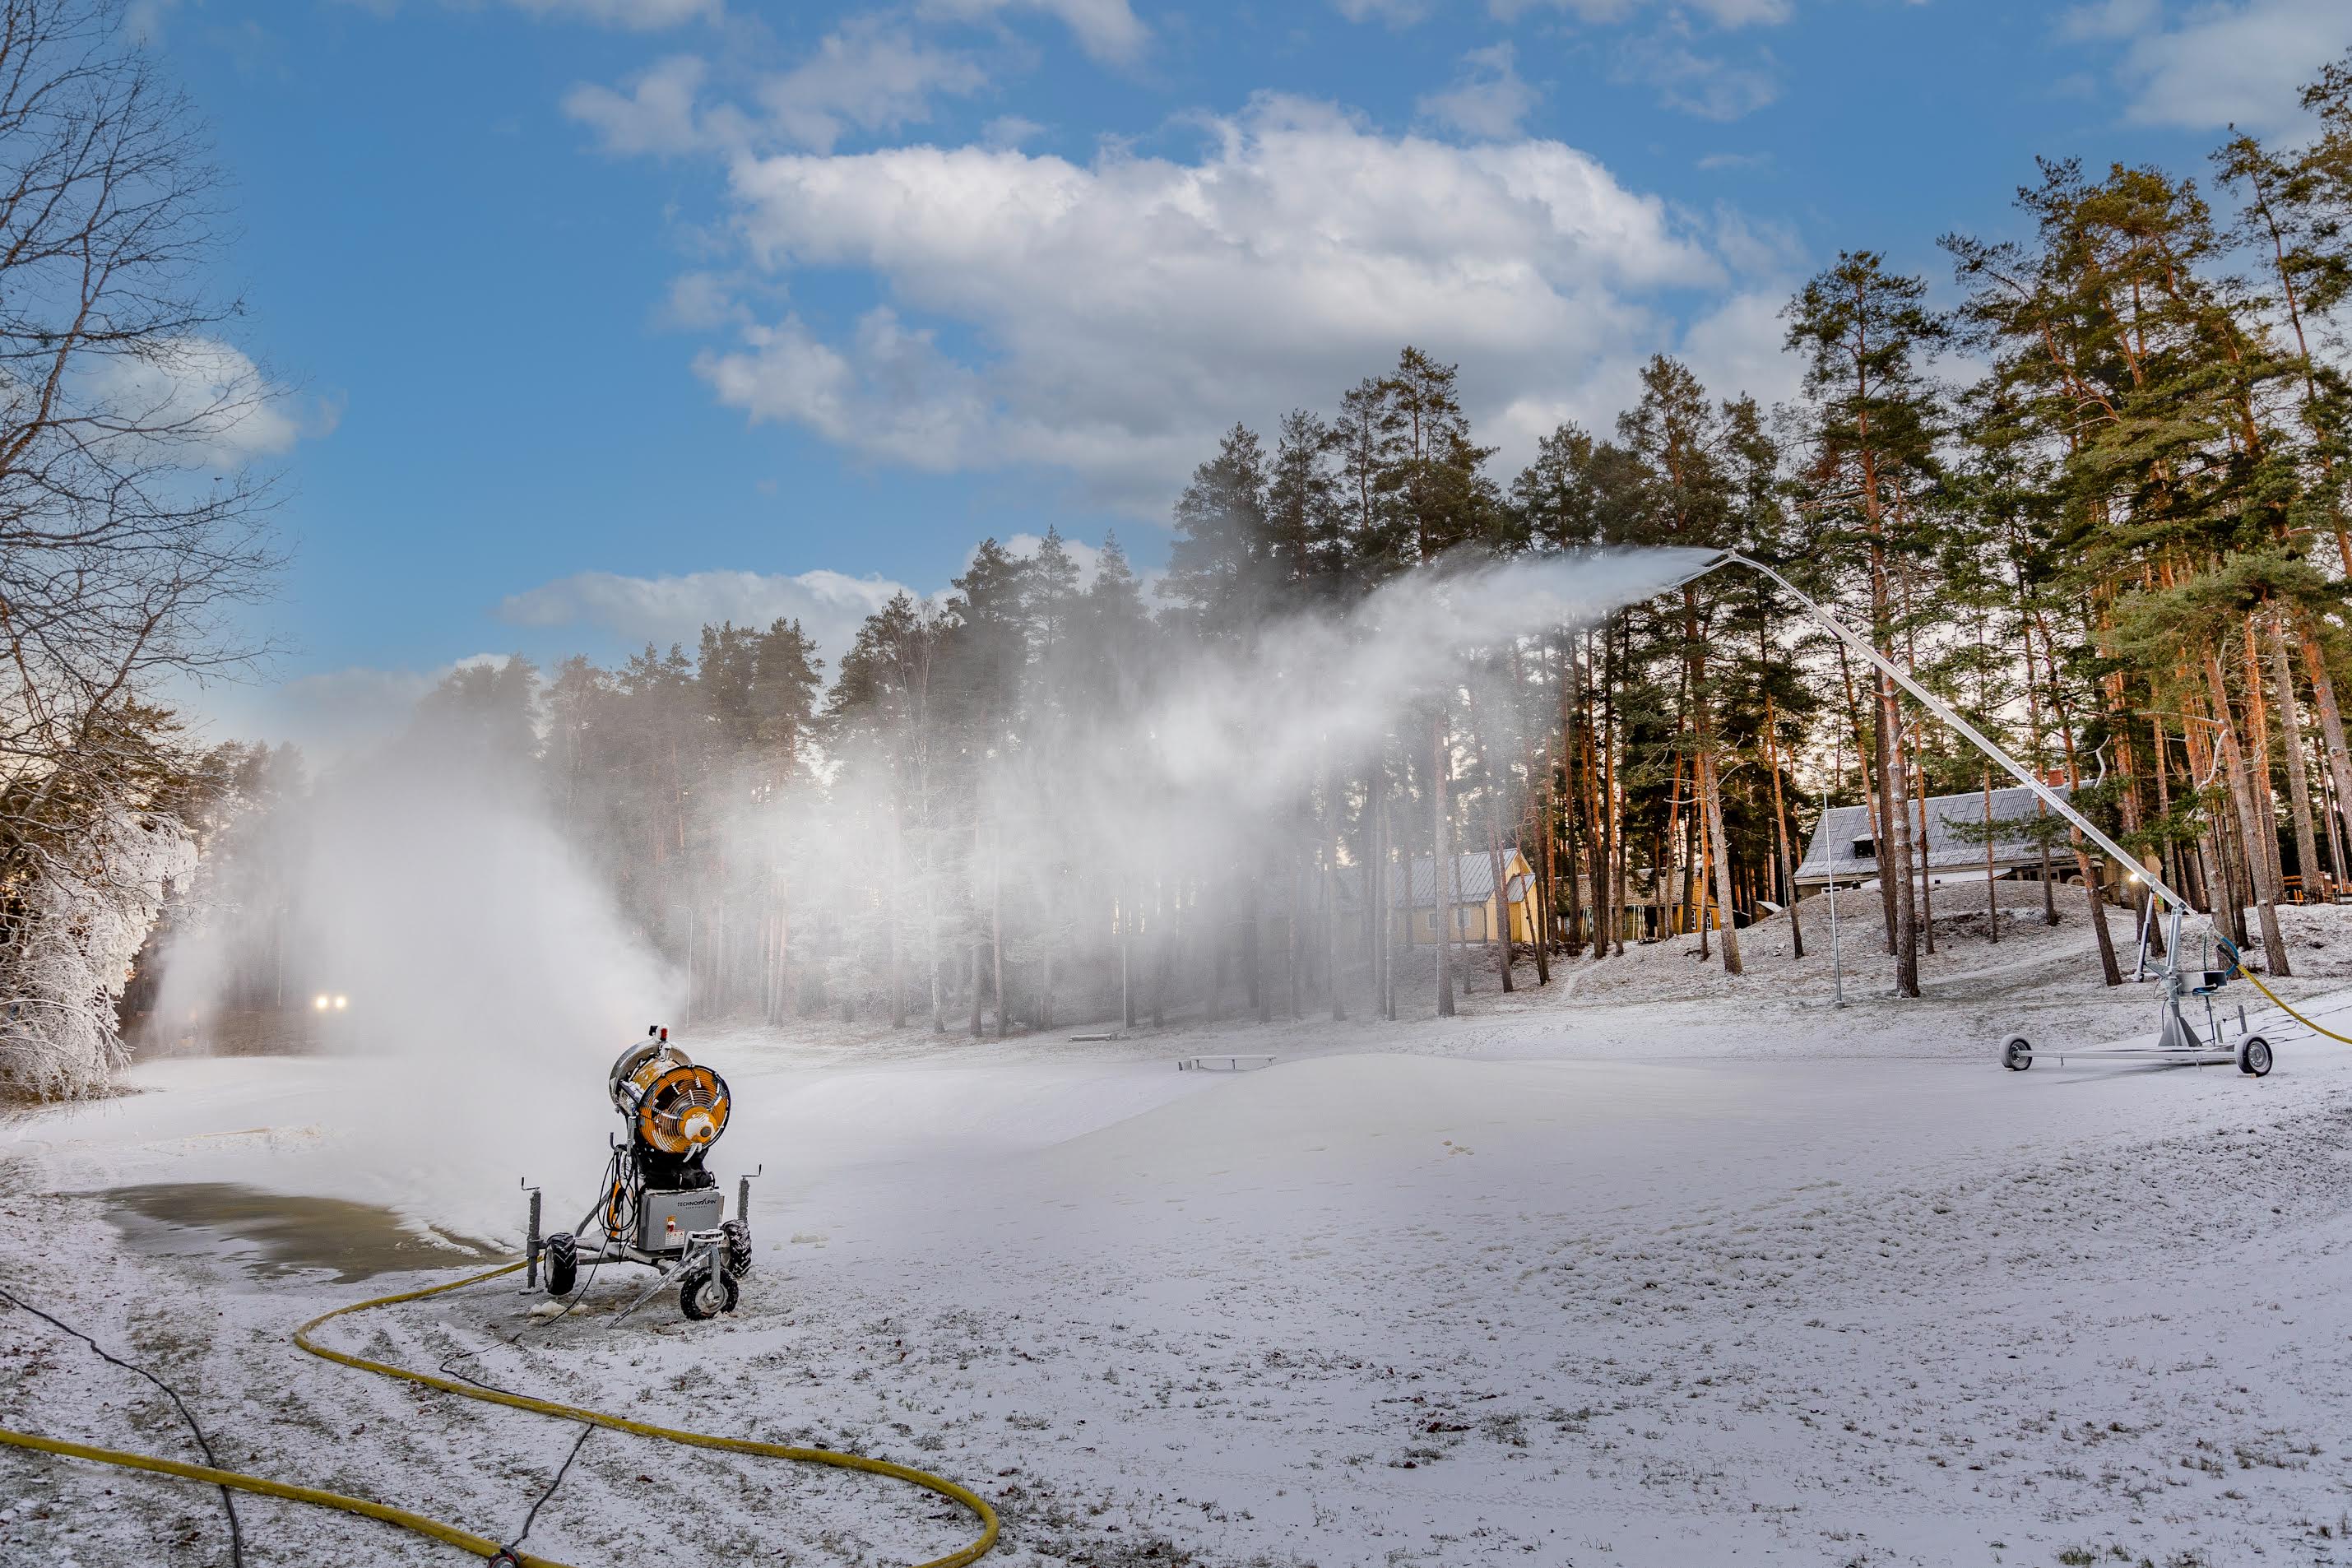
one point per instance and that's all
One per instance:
(1541, 917)
(890, 919)
(996, 928)
(2331, 720)
(1330, 879)
(1439, 857)
(1297, 937)
(2298, 767)
(1377, 897)
(1612, 821)
(1926, 844)
(1896, 865)
(2252, 824)
(1126, 963)
(1261, 995)
(1711, 802)
(1872, 760)
(1498, 938)
(1783, 835)
(2259, 761)
(1163, 923)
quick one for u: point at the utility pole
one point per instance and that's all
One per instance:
(1837, 969)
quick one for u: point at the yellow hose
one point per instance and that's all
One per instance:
(2306, 1023)
(2276, 1000)
(465, 1540)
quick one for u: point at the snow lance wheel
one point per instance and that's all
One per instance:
(562, 1263)
(2254, 1056)
(705, 1294)
(2018, 1054)
(739, 1246)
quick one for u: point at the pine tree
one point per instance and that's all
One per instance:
(1864, 334)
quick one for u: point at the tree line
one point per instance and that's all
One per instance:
(2097, 505)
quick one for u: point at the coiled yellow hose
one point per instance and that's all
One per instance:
(465, 1540)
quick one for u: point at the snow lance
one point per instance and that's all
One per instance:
(660, 1207)
(2178, 1038)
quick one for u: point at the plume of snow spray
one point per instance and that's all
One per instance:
(438, 892)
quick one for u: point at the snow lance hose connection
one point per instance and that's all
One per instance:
(2276, 1000)
(465, 1540)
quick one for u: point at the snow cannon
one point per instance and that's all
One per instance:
(675, 1110)
(659, 1207)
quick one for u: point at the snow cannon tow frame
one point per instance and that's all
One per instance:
(2178, 1040)
(659, 1207)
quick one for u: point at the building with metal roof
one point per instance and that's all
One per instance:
(1843, 850)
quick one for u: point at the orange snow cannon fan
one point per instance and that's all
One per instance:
(660, 1206)
(673, 1106)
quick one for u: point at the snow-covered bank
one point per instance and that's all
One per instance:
(1562, 1280)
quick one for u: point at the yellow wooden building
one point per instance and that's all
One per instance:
(1470, 896)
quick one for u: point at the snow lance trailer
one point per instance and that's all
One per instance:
(2180, 1039)
(660, 1208)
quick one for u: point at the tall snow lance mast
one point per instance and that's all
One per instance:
(659, 1207)
(2177, 1037)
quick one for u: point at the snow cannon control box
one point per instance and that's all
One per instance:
(666, 1219)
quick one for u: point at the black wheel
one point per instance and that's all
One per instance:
(2254, 1056)
(2017, 1054)
(739, 1246)
(702, 1295)
(562, 1263)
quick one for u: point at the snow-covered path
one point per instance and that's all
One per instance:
(1508, 1289)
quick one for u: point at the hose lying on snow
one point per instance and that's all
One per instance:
(2239, 958)
(465, 1540)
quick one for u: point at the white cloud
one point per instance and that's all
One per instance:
(632, 15)
(2110, 18)
(1710, 86)
(637, 15)
(1086, 558)
(868, 75)
(655, 115)
(1132, 306)
(2239, 62)
(699, 301)
(1488, 98)
(1722, 12)
(1395, 12)
(144, 19)
(1737, 348)
(1106, 29)
(1010, 130)
(662, 610)
(205, 401)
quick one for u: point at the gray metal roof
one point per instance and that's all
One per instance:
(1477, 884)
(1832, 852)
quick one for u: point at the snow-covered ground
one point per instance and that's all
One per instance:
(1644, 1268)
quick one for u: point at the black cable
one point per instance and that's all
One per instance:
(235, 1531)
(586, 1432)
(579, 1294)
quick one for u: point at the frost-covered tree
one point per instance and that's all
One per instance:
(129, 519)
(73, 931)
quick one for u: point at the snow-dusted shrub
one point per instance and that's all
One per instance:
(72, 928)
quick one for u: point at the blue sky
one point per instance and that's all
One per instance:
(596, 318)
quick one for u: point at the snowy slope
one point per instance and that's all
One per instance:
(1563, 1281)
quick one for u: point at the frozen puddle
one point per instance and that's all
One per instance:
(274, 1233)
